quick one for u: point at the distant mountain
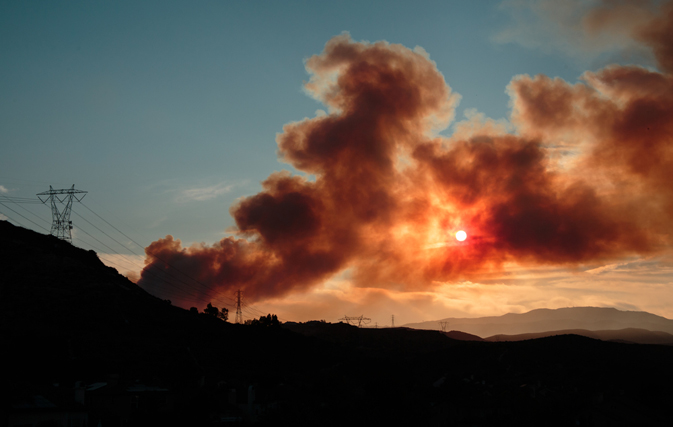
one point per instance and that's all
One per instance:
(544, 320)
(629, 335)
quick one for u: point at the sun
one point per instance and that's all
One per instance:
(461, 235)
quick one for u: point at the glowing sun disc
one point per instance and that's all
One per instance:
(461, 235)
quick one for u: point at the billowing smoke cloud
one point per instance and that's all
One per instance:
(587, 176)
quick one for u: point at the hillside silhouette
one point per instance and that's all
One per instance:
(544, 320)
(82, 345)
(628, 335)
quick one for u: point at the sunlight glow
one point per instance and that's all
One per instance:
(461, 235)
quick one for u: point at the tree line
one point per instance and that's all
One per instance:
(270, 320)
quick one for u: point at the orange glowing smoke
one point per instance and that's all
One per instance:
(388, 193)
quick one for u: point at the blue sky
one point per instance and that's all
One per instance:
(166, 112)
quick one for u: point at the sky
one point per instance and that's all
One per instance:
(321, 156)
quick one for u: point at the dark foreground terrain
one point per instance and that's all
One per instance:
(82, 345)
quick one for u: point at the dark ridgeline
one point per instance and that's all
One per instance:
(123, 357)
(626, 335)
(543, 320)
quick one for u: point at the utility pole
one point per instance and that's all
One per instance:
(239, 313)
(61, 225)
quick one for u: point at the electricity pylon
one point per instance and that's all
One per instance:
(358, 321)
(393, 322)
(61, 225)
(443, 324)
(239, 313)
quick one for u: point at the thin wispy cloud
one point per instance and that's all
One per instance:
(581, 29)
(157, 222)
(607, 268)
(202, 194)
(3, 189)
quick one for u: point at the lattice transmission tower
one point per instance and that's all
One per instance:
(61, 225)
(357, 321)
(239, 313)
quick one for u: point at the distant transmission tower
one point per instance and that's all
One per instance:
(393, 322)
(443, 324)
(358, 321)
(239, 313)
(61, 225)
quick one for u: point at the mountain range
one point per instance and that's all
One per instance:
(544, 320)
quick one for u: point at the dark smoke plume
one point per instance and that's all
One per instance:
(586, 177)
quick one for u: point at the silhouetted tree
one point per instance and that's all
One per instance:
(269, 321)
(211, 310)
(194, 310)
(216, 312)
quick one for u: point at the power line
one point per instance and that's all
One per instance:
(248, 307)
(171, 271)
(20, 204)
(185, 293)
(113, 251)
(155, 274)
(27, 219)
(172, 267)
(12, 219)
(151, 273)
(79, 228)
(260, 312)
(358, 321)
(96, 248)
(118, 230)
(173, 288)
(158, 258)
(22, 200)
(108, 236)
